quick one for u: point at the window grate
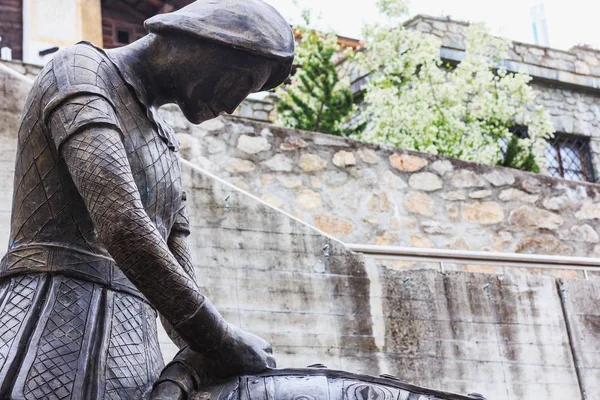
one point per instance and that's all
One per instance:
(569, 157)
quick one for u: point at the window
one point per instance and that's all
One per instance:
(569, 157)
(123, 36)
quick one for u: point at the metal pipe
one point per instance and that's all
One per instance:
(476, 257)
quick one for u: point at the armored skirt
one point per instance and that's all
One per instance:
(87, 342)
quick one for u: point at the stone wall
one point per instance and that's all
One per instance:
(262, 109)
(362, 193)
(506, 336)
(581, 61)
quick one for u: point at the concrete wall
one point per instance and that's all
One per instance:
(361, 193)
(501, 335)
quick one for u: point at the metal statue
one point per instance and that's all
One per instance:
(99, 223)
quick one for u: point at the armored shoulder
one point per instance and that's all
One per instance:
(83, 95)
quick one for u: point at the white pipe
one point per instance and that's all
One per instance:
(476, 257)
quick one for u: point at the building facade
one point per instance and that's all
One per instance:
(34, 29)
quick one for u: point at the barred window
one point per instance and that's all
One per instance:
(569, 157)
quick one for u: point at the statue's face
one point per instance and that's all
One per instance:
(220, 90)
(206, 79)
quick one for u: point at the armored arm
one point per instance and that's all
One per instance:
(98, 164)
(178, 245)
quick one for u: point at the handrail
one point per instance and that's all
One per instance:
(477, 257)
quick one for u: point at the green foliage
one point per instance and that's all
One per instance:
(415, 101)
(316, 99)
(518, 156)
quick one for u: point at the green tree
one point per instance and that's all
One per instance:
(317, 99)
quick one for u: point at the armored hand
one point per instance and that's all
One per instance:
(240, 353)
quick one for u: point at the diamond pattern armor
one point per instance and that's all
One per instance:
(52, 375)
(16, 306)
(126, 372)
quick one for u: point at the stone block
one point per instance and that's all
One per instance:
(378, 202)
(588, 211)
(527, 217)
(543, 244)
(454, 196)
(386, 239)
(253, 144)
(239, 166)
(442, 166)
(556, 203)
(480, 194)
(466, 179)
(312, 163)
(309, 200)
(279, 162)
(344, 159)
(292, 143)
(419, 203)
(334, 225)
(425, 181)
(513, 194)
(407, 163)
(367, 155)
(485, 213)
(272, 200)
(500, 177)
(290, 181)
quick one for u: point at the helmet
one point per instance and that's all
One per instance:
(251, 26)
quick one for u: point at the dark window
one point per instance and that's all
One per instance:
(569, 157)
(123, 36)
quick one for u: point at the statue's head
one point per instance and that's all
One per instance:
(220, 51)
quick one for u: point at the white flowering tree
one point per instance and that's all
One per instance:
(415, 101)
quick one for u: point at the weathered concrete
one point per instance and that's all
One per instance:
(582, 314)
(453, 330)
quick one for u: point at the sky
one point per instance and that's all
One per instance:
(570, 22)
